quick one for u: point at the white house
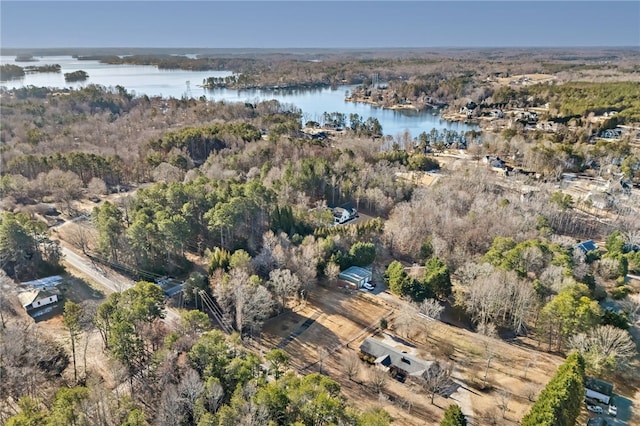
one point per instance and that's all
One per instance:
(343, 214)
(37, 298)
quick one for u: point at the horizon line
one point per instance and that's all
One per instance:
(636, 47)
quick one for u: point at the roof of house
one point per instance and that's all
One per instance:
(392, 357)
(600, 386)
(28, 297)
(354, 274)
(587, 246)
(51, 281)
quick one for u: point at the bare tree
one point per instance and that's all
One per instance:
(96, 187)
(431, 309)
(604, 347)
(631, 305)
(332, 271)
(244, 300)
(80, 236)
(351, 365)
(489, 354)
(531, 362)
(503, 399)
(378, 378)
(284, 284)
(531, 391)
(405, 320)
(436, 378)
(323, 353)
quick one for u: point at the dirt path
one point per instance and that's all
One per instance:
(462, 396)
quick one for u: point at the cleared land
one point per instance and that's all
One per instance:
(332, 318)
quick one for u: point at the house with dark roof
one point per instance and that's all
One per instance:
(399, 363)
(587, 246)
(598, 389)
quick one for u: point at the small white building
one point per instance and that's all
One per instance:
(343, 214)
(37, 298)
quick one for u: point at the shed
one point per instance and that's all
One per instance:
(356, 276)
(598, 389)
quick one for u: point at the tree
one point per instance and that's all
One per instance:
(436, 378)
(25, 247)
(71, 320)
(283, 284)
(243, 299)
(194, 285)
(571, 312)
(378, 378)
(332, 271)
(504, 396)
(399, 281)
(362, 254)
(351, 365)
(431, 308)
(108, 220)
(561, 401)
(278, 359)
(30, 413)
(375, 417)
(453, 417)
(194, 323)
(604, 347)
(489, 354)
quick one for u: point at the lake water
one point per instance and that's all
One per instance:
(149, 80)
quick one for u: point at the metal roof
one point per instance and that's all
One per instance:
(355, 274)
(392, 357)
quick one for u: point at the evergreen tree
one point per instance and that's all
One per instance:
(560, 402)
(453, 417)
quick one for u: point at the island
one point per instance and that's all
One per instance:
(80, 75)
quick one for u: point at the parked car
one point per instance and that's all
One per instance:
(613, 410)
(369, 286)
(595, 409)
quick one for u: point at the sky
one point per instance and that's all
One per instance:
(312, 24)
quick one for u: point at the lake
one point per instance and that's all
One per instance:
(150, 81)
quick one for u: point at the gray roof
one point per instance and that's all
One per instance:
(600, 386)
(355, 274)
(392, 357)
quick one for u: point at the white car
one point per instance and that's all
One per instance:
(595, 409)
(613, 410)
(368, 286)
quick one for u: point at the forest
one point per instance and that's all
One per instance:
(235, 200)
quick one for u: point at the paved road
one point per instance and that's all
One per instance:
(98, 273)
(108, 279)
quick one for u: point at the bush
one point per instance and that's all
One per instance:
(620, 292)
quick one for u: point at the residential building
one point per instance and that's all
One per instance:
(37, 298)
(399, 363)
